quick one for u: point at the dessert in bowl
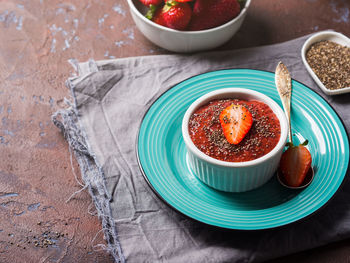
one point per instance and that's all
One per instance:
(234, 166)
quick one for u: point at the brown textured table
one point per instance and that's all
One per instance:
(39, 40)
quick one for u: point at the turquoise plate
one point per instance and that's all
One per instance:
(163, 157)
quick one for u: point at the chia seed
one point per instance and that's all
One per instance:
(206, 132)
(331, 63)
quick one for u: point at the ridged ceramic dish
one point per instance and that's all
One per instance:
(234, 176)
(164, 163)
(321, 36)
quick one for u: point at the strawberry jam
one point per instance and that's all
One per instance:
(206, 132)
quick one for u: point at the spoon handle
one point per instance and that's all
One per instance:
(284, 88)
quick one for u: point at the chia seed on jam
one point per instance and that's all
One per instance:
(206, 132)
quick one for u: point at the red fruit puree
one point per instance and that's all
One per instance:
(206, 132)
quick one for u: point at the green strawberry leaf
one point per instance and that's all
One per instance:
(289, 144)
(151, 11)
(305, 143)
(241, 3)
(169, 4)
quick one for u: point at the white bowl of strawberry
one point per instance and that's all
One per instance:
(188, 25)
(234, 138)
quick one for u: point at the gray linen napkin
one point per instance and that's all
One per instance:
(111, 98)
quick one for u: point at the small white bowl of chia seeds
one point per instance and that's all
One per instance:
(326, 56)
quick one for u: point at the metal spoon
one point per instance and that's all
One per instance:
(284, 87)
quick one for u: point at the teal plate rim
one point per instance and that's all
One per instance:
(233, 227)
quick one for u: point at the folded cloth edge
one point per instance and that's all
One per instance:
(67, 120)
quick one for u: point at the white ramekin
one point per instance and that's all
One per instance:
(234, 176)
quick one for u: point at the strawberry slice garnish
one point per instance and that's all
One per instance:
(236, 121)
(295, 164)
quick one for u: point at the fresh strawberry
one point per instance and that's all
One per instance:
(173, 14)
(156, 15)
(148, 3)
(295, 164)
(176, 15)
(180, 1)
(212, 13)
(236, 121)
